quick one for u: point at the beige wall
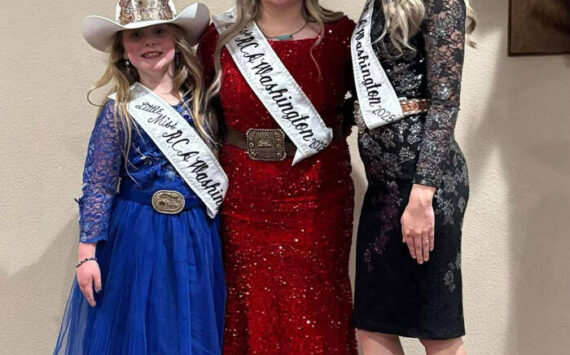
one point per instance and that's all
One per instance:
(514, 128)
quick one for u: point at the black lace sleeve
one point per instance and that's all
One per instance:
(444, 34)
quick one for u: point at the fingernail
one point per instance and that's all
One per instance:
(98, 290)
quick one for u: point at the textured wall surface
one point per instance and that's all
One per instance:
(514, 129)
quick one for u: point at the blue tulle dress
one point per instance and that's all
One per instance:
(163, 282)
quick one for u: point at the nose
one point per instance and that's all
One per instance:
(150, 41)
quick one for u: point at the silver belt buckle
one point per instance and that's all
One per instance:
(168, 202)
(265, 144)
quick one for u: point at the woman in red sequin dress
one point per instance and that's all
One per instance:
(287, 229)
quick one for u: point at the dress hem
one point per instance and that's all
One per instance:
(393, 330)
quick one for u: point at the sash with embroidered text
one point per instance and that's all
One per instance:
(276, 88)
(181, 145)
(379, 103)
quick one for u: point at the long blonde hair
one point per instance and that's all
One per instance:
(250, 10)
(403, 19)
(188, 78)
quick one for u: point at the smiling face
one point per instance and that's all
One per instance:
(151, 49)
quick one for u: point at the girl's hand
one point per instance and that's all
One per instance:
(418, 223)
(88, 274)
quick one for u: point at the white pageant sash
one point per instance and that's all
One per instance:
(379, 103)
(276, 88)
(181, 145)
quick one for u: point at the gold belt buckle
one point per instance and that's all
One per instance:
(413, 106)
(168, 202)
(265, 144)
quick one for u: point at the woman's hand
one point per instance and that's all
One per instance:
(88, 273)
(418, 223)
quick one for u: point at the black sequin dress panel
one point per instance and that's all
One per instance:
(392, 293)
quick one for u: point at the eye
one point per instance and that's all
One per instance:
(135, 35)
(160, 31)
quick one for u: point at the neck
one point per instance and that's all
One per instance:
(162, 84)
(277, 19)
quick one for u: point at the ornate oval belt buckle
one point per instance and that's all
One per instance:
(168, 202)
(265, 144)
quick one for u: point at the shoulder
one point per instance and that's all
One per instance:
(108, 108)
(208, 40)
(107, 123)
(106, 115)
(338, 33)
(444, 18)
(439, 6)
(341, 28)
(209, 35)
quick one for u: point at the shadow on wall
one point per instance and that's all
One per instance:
(525, 127)
(31, 288)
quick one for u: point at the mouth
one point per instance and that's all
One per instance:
(152, 54)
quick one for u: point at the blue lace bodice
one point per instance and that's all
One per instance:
(105, 166)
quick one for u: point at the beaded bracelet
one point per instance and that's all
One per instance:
(84, 261)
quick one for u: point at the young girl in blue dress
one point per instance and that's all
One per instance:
(149, 276)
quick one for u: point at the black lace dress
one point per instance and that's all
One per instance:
(393, 294)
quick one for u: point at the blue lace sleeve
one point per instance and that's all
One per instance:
(100, 177)
(444, 35)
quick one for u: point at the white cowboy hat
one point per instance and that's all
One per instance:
(130, 14)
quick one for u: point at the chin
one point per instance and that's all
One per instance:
(281, 2)
(152, 68)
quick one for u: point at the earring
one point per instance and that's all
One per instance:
(127, 66)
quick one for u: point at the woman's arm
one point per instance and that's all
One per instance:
(444, 33)
(100, 179)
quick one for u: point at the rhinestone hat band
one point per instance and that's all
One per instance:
(129, 11)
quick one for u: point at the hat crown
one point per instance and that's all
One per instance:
(129, 11)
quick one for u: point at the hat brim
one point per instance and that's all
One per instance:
(99, 31)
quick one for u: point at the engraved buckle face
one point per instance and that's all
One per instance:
(413, 106)
(168, 202)
(265, 144)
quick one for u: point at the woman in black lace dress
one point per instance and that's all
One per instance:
(408, 276)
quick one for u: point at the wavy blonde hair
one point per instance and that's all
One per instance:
(250, 10)
(188, 78)
(403, 19)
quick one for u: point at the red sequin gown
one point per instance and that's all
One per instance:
(287, 229)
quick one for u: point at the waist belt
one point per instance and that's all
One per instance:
(409, 107)
(163, 201)
(414, 106)
(267, 144)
